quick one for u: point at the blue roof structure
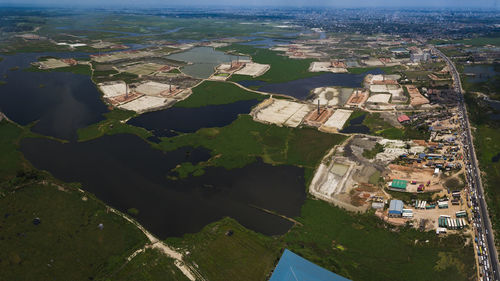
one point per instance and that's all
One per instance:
(292, 267)
(396, 207)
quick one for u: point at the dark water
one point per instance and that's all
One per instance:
(301, 88)
(125, 172)
(186, 120)
(61, 102)
(356, 126)
(495, 158)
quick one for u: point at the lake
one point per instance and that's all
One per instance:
(301, 88)
(125, 172)
(187, 120)
(204, 60)
(60, 102)
(482, 72)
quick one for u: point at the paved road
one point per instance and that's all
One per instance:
(482, 219)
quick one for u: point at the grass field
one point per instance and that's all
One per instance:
(486, 141)
(478, 41)
(282, 68)
(487, 151)
(113, 124)
(67, 244)
(245, 255)
(151, 265)
(241, 142)
(215, 93)
(362, 247)
(386, 69)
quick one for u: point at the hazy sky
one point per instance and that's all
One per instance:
(290, 3)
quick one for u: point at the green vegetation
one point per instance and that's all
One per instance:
(104, 77)
(214, 93)
(476, 42)
(175, 70)
(82, 69)
(41, 252)
(150, 265)
(113, 124)
(282, 68)
(2, 82)
(370, 154)
(243, 255)
(379, 127)
(241, 142)
(362, 247)
(10, 159)
(489, 87)
(68, 218)
(385, 69)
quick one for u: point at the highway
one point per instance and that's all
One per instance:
(489, 257)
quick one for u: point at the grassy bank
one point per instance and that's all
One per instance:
(241, 142)
(215, 93)
(282, 68)
(114, 124)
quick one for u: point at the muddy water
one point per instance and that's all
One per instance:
(125, 172)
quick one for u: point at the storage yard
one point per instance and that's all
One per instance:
(281, 112)
(337, 120)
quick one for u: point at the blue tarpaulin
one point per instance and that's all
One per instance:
(292, 267)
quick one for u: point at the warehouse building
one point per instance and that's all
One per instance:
(395, 209)
(398, 185)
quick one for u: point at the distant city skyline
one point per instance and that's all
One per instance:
(257, 3)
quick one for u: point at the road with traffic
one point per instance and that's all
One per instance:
(488, 258)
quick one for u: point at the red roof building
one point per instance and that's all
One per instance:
(403, 118)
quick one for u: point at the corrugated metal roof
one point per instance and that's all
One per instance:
(396, 206)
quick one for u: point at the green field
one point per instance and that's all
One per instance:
(243, 256)
(486, 141)
(283, 69)
(67, 244)
(362, 247)
(151, 265)
(113, 124)
(241, 142)
(476, 42)
(215, 93)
